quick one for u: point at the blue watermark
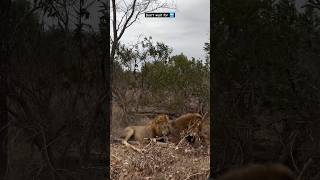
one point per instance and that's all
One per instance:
(172, 14)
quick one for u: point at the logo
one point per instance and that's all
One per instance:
(172, 14)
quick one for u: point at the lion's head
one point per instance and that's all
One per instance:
(161, 125)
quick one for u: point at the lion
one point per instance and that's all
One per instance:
(190, 123)
(261, 172)
(157, 127)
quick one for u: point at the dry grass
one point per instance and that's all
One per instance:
(159, 162)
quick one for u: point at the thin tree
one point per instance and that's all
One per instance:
(129, 13)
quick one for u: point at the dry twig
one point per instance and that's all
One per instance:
(131, 146)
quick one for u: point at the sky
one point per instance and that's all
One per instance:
(186, 33)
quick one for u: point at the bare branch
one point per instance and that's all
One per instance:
(131, 146)
(129, 18)
(129, 15)
(125, 15)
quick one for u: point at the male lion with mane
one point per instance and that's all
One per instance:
(157, 127)
(188, 122)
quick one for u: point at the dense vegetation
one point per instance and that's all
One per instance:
(159, 78)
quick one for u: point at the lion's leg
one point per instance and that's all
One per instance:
(129, 134)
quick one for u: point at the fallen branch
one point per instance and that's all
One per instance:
(115, 157)
(131, 146)
(162, 144)
(118, 140)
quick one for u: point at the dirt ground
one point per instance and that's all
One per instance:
(159, 162)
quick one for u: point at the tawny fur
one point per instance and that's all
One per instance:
(159, 126)
(260, 172)
(184, 122)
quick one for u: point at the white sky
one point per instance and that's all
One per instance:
(186, 33)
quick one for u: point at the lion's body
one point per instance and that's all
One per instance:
(159, 126)
(184, 121)
(189, 121)
(261, 172)
(139, 133)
